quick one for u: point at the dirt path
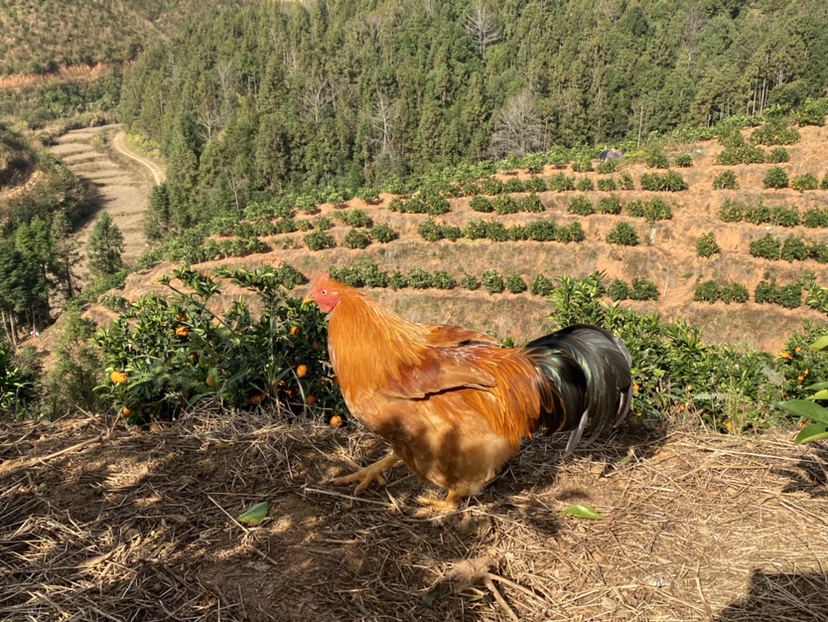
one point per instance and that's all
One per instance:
(122, 187)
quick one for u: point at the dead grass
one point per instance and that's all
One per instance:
(100, 523)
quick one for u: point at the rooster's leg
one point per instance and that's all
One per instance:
(449, 504)
(372, 473)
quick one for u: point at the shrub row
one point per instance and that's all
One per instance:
(791, 249)
(710, 291)
(671, 181)
(641, 289)
(760, 214)
(537, 231)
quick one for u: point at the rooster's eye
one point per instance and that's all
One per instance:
(324, 292)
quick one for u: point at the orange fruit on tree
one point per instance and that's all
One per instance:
(310, 400)
(336, 421)
(125, 411)
(302, 371)
(210, 382)
(294, 331)
(118, 377)
(182, 332)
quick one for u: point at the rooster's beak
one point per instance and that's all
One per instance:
(306, 300)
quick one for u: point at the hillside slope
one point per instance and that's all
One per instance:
(666, 255)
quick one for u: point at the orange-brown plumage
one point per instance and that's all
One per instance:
(453, 404)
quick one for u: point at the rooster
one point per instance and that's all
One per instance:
(452, 403)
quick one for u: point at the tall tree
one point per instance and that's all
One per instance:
(105, 247)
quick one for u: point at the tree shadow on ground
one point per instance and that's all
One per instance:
(781, 596)
(809, 474)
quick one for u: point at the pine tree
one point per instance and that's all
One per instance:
(106, 244)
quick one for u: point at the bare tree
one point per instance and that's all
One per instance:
(482, 27)
(520, 130)
(382, 122)
(315, 96)
(227, 79)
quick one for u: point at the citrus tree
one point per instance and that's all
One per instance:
(808, 408)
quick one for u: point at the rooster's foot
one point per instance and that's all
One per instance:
(449, 504)
(372, 473)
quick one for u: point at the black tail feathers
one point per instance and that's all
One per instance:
(584, 379)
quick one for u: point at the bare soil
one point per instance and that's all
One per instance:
(99, 523)
(120, 181)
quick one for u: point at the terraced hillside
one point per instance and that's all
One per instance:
(666, 255)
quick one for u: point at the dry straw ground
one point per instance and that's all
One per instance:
(100, 523)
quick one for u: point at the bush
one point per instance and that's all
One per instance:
(541, 286)
(743, 154)
(815, 218)
(779, 155)
(788, 296)
(766, 247)
(515, 284)
(573, 233)
(481, 204)
(775, 133)
(623, 234)
(794, 249)
(491, 186)
(726, 180)
(758, 214)
(383, 234)
(397, 280)
(513, 185)
(684, 160)
(626, 182)
(609, 205)
(419, 279)
(708, 291)
(669, 182)
(530, 203)
(655, 158)
(642, 289)
(804, 182)
(357, 218)
(731, 212)
(785, 217)
(443, 280)
(583, 165)
(652, 211)
(776, 178)
(608, 166)
(581, 206)
(585, 184)
(706, 246)
(618, 290)
(356, 239)
(470, 282)
(504, 204)
(735, 292)
(606, 184)
(492, 282)
(535, 184)
(561, 183)
(541, 231)
(319, 240)
(823, 185)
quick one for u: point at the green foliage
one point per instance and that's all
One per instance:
(481, 204)
(492, 281)
(383, 234)
(804, 182)
(583, 165)
(357, 218)
(626, 182)
(561, 183)
(766, 247)
(17, 385)
(505, 204)
(443, 280)
(779, 155)
(356, 239)
(530, 203)
(581, 206)
(418, 278)
(609, 205)
(623, 234)
(785, 217)
(726, 180)
(707, 291)
(739, 152)
(815, 218)
(652, 211)
(769, 292)
(775, 133)
(163, 355)
(584, 184)
(319, 240)
(515, 284)
(469, 282)
(105, 247)
(535, 184)
(618, 290)
(706, 245)
(433, 231)
(672, 181)
(776, 177)
(608, 166)
(655, 158)
(541, 286)
(710, 291)
(606, 184)
(808, 408)
(683, 160)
